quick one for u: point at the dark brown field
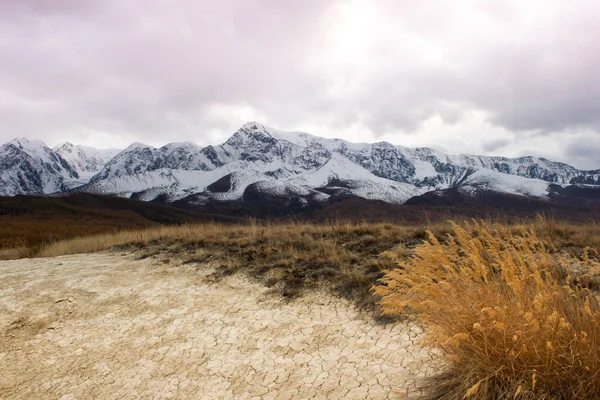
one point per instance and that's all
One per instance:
(27, 223)
(30, 223)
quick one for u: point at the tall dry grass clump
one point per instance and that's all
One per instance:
(512, 317)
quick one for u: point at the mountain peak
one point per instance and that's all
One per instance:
(137, 145)
(64, 146)
(294, 137)
(255, 126)
(250, 132)
(186, 144)
(30, 167)
(24, 143)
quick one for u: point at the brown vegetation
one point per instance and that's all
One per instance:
(288, 257)
(455, 206)
(28, 223)
(513, 316)
(345, 257)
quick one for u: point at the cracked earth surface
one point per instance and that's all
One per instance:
(105, 326)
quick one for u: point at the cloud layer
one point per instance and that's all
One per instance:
(499, 77)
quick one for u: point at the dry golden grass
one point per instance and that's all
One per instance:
(346, 257)
(564, 234)
(287, 257)
(513, 317)
(288, 240)
(13, 253)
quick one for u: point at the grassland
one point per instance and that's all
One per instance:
(347, 258)
(287, 257)
(28, 223)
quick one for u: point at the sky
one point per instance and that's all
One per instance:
(506, 77)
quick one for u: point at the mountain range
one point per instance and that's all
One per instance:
(258, 163)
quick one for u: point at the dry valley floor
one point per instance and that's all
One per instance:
(106, 326)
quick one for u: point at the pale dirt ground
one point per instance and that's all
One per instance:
(105, 326)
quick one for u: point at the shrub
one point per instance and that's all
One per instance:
(511, 316)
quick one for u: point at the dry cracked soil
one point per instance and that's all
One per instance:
(106, 326)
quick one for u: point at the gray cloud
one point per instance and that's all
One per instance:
(155, 71)
(493, 145)
(584, 151)
(150, 69)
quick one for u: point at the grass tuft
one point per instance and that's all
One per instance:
(513, 317)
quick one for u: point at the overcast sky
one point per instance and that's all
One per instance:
(468, 76)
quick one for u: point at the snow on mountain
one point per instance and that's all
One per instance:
(527, 167)
(295, 164)
(342, 176)
(86, 161)
(512, 184)
(84, 158)
(259, 160)
(29, 167)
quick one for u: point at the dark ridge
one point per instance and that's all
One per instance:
(334, 185)
(439, 205)
(270, 205)
(449, 205)
(32, 221)
(448, 197)
(577, 194)
(221, 185)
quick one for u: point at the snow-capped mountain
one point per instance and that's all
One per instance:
(86, 161)
(258, 161)
(30, 167)
(257, 158)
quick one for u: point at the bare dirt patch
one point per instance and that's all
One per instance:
(106, 326)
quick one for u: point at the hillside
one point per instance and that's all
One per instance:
(29, 221)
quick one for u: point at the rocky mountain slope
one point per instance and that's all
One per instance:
(86, 161)
(258, 163)
(29, 167)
